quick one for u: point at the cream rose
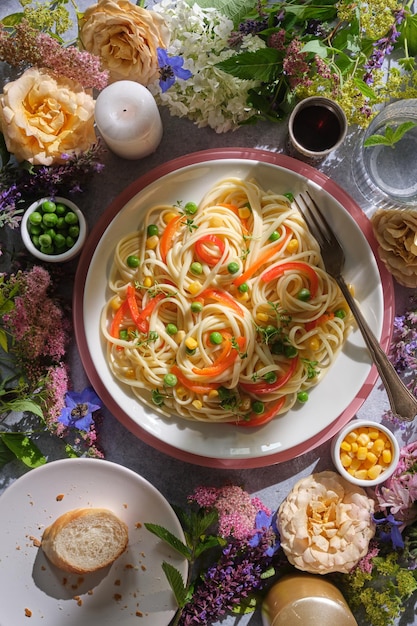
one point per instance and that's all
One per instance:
(325, 524)
(126, 38)
(43, 117)
(396, 233)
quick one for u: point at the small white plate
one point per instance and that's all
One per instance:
(133, 590)
(344, 388)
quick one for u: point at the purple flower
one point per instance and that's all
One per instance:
(169, 68)
(266, 527)
(389, 530)
(79, 409)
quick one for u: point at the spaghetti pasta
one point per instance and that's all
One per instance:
(223, 312)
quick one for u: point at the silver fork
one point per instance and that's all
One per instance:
(402, 401)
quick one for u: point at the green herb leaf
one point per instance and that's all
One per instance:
(176, 583)
(12, 19)
(25, 404)
(260, 65)
(23, 449)
(170, 539)
(6, 455)
(391, 137)
(233, 9)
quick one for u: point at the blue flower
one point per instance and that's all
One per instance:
(169, 68)
(79, 409)
(389, 531)
(265, 523)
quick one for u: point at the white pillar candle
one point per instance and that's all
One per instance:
(128, 119)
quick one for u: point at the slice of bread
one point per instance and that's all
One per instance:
(82, 541)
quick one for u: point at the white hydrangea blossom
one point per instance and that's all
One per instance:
(210, 97)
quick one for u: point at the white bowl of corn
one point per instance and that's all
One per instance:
(365, 453)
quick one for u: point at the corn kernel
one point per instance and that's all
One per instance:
(213, 393)
(352, 436)
(216, 222)
(354, 446)
(147, 281)
(243, 297)
(355, 465)
(371, 457)
(387, 456)
(345, 445)
(168, 217)
(314, 344)
(374, 472)
(152, 242)
(194, 288)
(292, 246)
(362, 452)
(197, 404)
(191, 343)
(361, 474)
(244, 212)
(373, 433)
(181, 392)
(363, 439)
(130, 373)
(262, 317)
(378, 446)
(116, 303)
(346, 460)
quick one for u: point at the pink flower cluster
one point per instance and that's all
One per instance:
(237, 509)
(399, 493)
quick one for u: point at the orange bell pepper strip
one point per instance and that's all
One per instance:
(319, 321)
(225, 359)
(263, 258)
(262, 387)
(217, 248)
(166, 239)
(118, 319)
(223, 297)
(260, 420)
(198, 388)
(299, 266)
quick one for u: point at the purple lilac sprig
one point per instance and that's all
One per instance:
(383, 47)
(20, 185)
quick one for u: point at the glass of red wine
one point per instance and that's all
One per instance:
(316, 126)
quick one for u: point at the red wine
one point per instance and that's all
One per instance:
(316, 128)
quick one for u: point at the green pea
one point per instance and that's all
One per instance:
(124, 334)
(196, 307)
(302, 396)
(171, 329)
(45, 240)
(340, 313)
(304, 294)
(50, 219)
(34, 229)
(258, 407)
(289, 196)
(47, 249)
(170, 380)
(216, 338)
(270, 377)
(48, 206)
(274, 236)
(74, 231)
(71, 217)
(61, 209)
(196, 268)
(59, 241)
(152, 230)
(69, 241)
(35, 218)
(233, 267)
(61, 223)
(191, 208)
(133, 261)
(243, 288)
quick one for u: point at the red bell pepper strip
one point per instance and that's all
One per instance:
(118, 319)
(319, 321)
(263, 258)
(165, 242)
(223, 297)
(262, 387)
(205, 248)
(198, 388)
(225, 359)
(140, 317)
(260, 420)
(278, 270)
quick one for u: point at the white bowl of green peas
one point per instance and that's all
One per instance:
(53, 229)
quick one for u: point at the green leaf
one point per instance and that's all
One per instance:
(3, 340)
(316, 47)
(235, 10)
(261, 65)
(21, 405)
(408, 36)
(170, 539)
(391, 137)
(208, 543)
(23, 449)
(12, 19)
(6, 455)
(365, 89)
(176, 583)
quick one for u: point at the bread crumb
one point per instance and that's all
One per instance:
(36, 542)
(143, 568)
(60, 497)
(117, 597)
(28, 613)
(129, 566)
(90, 592)
(125, 506)
(78, 600)
(139, 614)
(117, 582)
(138, 525)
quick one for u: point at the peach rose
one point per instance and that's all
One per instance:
(126, 38)
(396, 233)
(325, 524)
(43, 117)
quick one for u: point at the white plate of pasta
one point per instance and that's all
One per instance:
(207, 322)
